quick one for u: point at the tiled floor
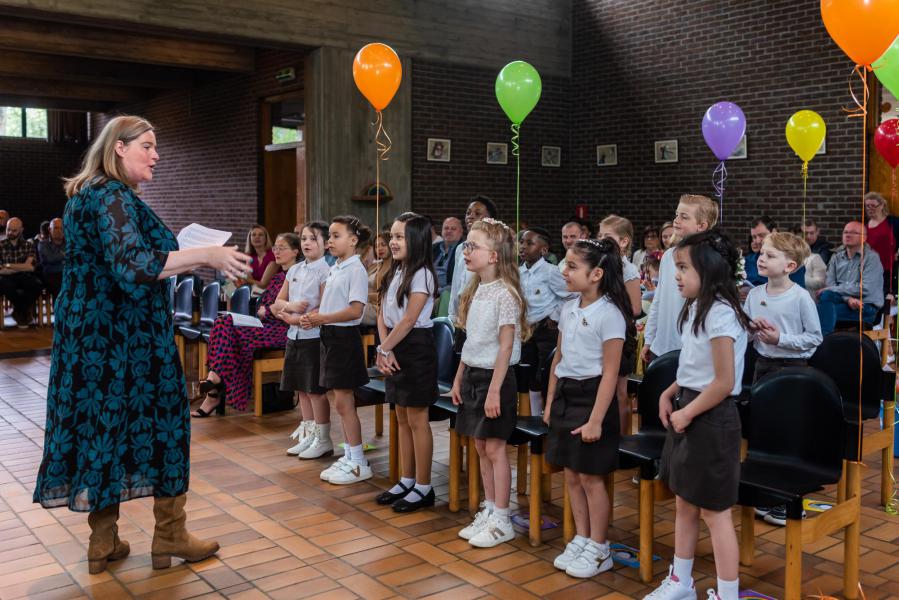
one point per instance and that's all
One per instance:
(286, 534)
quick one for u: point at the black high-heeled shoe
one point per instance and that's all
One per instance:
(219, 408)
(208, 385)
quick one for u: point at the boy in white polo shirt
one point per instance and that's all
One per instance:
(694, 214)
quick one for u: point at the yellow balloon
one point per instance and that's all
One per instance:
(805, 133)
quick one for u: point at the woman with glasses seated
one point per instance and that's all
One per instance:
(230, 357)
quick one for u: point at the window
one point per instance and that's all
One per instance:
(288, 119)
(23, 122)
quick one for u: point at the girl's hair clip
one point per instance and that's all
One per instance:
(592, 242)
(492, 221)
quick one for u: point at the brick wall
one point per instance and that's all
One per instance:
(30, 179)
(647, 70)
(458, 102)
(210, 157)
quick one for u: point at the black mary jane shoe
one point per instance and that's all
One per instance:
(407, 504)
(386, 498)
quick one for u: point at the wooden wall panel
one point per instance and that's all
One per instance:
(485, 33)
(340, 140)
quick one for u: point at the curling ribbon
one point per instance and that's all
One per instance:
(516, 152)
(383, 149)
(718, 179)
(804, 188)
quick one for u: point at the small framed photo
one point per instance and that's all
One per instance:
(823, 148)
(439, 149)
(497, 153)
(666, 151)
(741, 151)
(607, 155)
(550, 156)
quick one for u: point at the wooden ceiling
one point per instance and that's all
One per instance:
(66, 66)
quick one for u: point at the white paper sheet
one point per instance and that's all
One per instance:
(243, 320)
(197, 236)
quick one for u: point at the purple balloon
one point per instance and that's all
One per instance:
(722, 127)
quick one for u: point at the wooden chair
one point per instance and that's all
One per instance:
(265, 360)
(791, 454)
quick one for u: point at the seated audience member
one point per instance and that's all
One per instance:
(259, 246)
(377, 260)
(839, 299)
(52, 254)
(571, 232)
(43, 234)
(815, 269)
(882, 234)
(650, 243)
(18, 281)
(4, 217)
(761, 228)
(230, 358)
(816, 242)
(451, 234)
(650, 279)
(666, 235)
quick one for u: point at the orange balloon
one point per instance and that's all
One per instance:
(377, 72)
(864, 29)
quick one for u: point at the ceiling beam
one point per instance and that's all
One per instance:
(101, 72)
(65, 104)
(117, 45)
(75, 91)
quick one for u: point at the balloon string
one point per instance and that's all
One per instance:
(718, 179)
(382, 149)
(516, 152)
(804, 188)
(861, 111)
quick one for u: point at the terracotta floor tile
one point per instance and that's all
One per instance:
(366, 587)
(305, 589)
(286, 578)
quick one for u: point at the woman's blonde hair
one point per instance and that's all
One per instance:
(249, 249)
(502, 241)
(881, 201)
(101, 163)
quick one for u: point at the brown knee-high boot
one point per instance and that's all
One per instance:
(105, 544)
(170, 538)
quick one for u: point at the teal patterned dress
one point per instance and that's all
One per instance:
(118, 421)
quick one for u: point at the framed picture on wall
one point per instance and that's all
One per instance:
(666, 151)
(607, 155)
(741, 151)
(823, 148)
(550, 156)
(497, 153)
(439, 149)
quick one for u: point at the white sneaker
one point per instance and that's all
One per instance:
(571, 552)
(321, 445)
(594, 559)
(672, 589)
(713, 595)
(497, 530)
(334, 468)
(350, 472)
(480, 519)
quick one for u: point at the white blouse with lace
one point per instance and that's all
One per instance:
(492, 307)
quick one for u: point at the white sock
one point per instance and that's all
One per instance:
(490, 506)
(357, 454)
(728, 590)
(683, 570)
(424, 488)
(536, 403)
(405, 483)
(502, 513)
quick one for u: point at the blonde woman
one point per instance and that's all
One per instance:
(118, 425)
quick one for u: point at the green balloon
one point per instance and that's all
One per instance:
(518, 88)
(887, 68)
